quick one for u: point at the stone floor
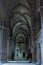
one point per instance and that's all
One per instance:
(19, 64)
(16, 63)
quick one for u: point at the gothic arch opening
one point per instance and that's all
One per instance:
(21, 32)
(20, 27)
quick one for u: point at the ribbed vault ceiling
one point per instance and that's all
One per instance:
(18, 16)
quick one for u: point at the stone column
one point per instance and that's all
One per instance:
(4, 45)
(42, 34)
(10, 48)
(0, 44)
(32, 45)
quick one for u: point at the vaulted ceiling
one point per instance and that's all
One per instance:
(17, 15)
(7, 5)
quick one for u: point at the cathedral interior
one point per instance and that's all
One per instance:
(21, 31)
